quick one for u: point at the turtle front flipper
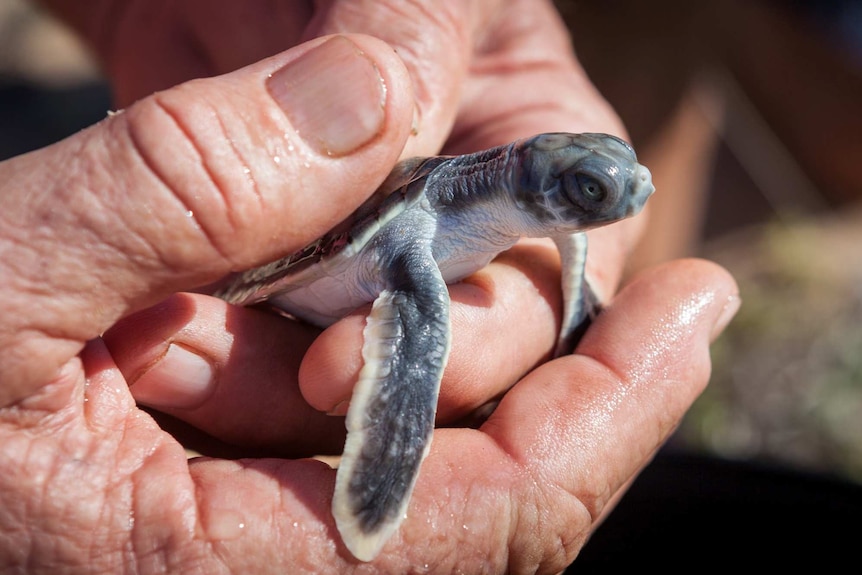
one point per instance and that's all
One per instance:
(580, 302)
(391, 415)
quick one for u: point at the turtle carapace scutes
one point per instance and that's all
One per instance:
(433, 222)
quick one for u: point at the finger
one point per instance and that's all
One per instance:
(435, 40)
(489, 353)
(492, 346)
(232, 372)
(572, 432)
(634, 375)
(227, 371)
(212, 176)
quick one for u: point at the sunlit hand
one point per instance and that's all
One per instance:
(225, 173)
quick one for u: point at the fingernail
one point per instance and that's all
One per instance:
(731, 306)
(180, 379)
(333, 95)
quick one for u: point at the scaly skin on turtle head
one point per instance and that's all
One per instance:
(573, 182)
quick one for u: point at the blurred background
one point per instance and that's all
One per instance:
(749, 114)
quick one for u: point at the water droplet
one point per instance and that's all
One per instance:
(276, 159)
(224, 524)
(190, 214)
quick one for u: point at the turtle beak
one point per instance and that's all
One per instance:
(642, 188)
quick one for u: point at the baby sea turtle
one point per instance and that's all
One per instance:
(433, 222)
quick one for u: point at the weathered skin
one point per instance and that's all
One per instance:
(433, 222)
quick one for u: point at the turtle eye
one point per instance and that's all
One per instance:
(590, 188)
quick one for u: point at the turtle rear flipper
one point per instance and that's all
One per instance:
(391, 415)
(580, 303)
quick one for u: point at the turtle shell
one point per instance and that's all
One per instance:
(402, 188)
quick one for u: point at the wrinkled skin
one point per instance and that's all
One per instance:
(98, 231)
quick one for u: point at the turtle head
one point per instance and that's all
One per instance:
(573, 182)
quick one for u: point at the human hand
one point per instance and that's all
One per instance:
(524, 491)
(49, 316)
(484, 73)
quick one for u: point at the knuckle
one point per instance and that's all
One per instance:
(208, 194)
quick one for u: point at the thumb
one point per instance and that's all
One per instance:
(436, 41)
(185, 186)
